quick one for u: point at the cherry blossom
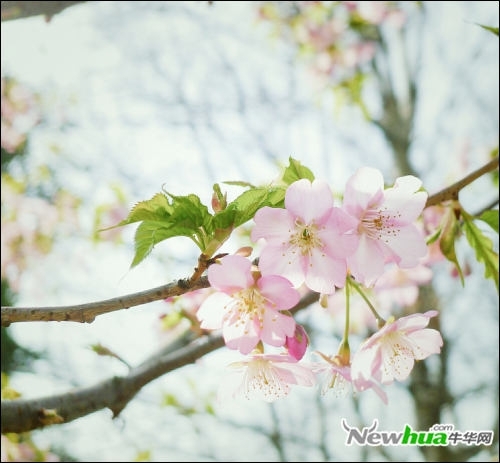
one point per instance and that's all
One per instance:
(247, 306)
(390, 353)
(398, 287)
(266, 377)
(386, 223)
(338, 378)
(309, 240)
(337, 374)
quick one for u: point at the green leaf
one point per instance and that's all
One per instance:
(296, 171)
(190, 215)
(432, 238)
(239, 183)
(491, 218)
(494, 30)
(162, 219)
(165, 215)
(147, 235)
(157, 208)
(483, 247)
(244, 207)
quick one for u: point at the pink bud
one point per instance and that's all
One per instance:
(297, 344)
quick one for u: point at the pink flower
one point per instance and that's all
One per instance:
(309, 240)
(360, 383)
(386, 228)
(391, 352)
(338, 378)
(297, 344)
(267, 377)
(246, 306)
(400, 287)
(337, 374)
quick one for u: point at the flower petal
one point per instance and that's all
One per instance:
(232, 273)
(309, 201)
(404, 198)
(367, 263)
(211, 312)
(275, 225)
(408, 246)
(365, 187)
(415, 321)
(276, 328)
(241, 336)
(425, 342)
(282, 260)
(279, 291)
(324, 273)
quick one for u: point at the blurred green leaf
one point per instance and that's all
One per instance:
(491, 218)
(494, 30)
(483, 247)
(143, 455)
(450, 232)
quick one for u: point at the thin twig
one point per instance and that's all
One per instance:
(451, 192)
(86, 313)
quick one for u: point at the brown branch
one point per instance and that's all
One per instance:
(23, 9)
(86, 313)
(451, 192)
(114, 393)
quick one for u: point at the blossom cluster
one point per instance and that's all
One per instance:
(314, 245)
(338, 39)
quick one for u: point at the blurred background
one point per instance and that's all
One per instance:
(106, 103)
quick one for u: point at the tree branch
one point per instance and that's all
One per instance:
(17, 10)
(451, 192)
(114, 393)
(86, 313)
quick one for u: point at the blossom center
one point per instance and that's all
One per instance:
(398, 351)
(262, 378)
(305, 237)
(380, 224)
(248, 304)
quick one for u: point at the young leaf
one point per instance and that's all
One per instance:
(156, 208)
(244, 207)
(295, 171)
(491, 218)
(494, 30)
(483, 247)
(190, 215)
(148, 234)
